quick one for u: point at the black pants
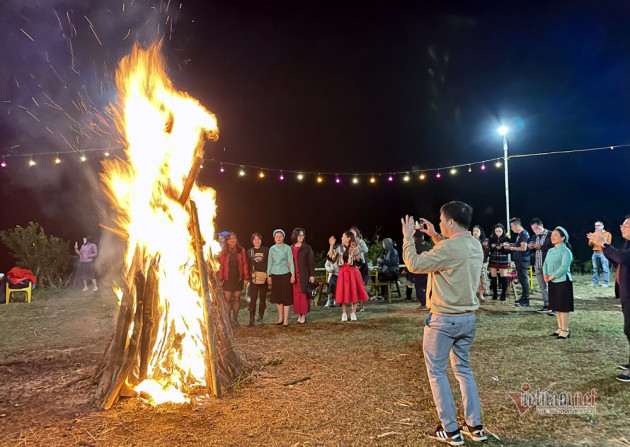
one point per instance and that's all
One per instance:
(625, 308)
(257, 292)
(419, 281)
(387, 277)
(522, 271)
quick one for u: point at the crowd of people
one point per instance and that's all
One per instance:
(450, 277)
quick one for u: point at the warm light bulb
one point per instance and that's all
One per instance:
(106, 153)
(355, 180)
(32, 163)
(261, 174)
(453, 171)
(300, 177)
(200, 166)
(83, 158)
(319, 179)
(241, 172)
(372, 180)
(498, 164)
(422, 176)
(57, 160)
(406, 178)
(469, 169)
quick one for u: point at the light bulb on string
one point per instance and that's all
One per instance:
(83, 158)
(221, 168)
(106, 153)
(281, 177)
(372, 180)
(355, 180)
(483, 167)
(406, 178)
(438, 175)
(337, 179)
(31, 162)
(241, 172)
(300, 177)
(498, 164)
(200, 166)
(390, 178)
(261, 174)
(320, 179)
(422, 176)
(3, 164)
(453, 171)
(469, 168)
(57, 160)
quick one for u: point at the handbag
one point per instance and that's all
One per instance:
(259, 278)
(311, 289)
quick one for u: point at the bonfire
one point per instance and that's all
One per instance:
(172, 337)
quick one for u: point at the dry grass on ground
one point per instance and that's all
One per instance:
(367, 386)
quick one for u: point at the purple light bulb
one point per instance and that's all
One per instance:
(281, 177)
(390, 178)
(438, 175)
(483, 167)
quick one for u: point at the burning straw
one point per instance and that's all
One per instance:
(172, 333)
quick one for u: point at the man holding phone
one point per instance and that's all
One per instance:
(454, 269)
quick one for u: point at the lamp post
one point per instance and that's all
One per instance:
(503, 130)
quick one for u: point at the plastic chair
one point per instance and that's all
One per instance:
(8, 291)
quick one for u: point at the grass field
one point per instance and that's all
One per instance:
(367, 382)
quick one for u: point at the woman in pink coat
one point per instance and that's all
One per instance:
(87, 253)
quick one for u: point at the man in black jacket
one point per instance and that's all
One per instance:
(541, 242)
(622, 258)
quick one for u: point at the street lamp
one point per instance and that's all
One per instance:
(503, 130)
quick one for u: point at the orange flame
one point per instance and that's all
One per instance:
(164, 130)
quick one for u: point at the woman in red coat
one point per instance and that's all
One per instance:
(233, 274)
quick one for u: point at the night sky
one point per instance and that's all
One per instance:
(346, 87)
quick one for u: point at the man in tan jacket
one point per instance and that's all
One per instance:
(454, 269)
(598, 258)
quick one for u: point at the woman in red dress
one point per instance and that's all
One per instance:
(304, 273)
(350, 286)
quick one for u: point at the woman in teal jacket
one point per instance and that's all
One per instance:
(557, 274)
(280, 275)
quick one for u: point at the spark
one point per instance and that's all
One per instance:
(58, 76)
(49, 130)
(35, 101)
(93, 31)
(59, 21)
(53, 102)
(72, 119)
(36, 119)
(128, 32)
(27, 35)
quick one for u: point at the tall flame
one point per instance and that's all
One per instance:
(164, 130)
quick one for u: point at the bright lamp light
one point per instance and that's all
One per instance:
(503, 130)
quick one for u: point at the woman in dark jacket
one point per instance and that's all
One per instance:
(233, 273)
(304, 272)
(257, 258)
(499, 261)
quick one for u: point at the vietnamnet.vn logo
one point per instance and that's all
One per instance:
(547, 402)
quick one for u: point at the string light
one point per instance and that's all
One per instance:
(261, 174)
(337, 180)
(320, 179)
(200, 166)
(372, 179)
(469, 168)
(281, 178)
(453, 171)
(221, 168)
(57, 160)
(83, 158)
(438, 175)
(422, 176)
(31, 162)
(406, 178)
(3, 164)
(300, 177)
(498, 164)
(390, 178)
(483, 167)
(106, 153)
(241, 172)
(355, 180)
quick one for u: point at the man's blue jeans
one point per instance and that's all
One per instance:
(452, 336)
(600, 262)
(522, 271)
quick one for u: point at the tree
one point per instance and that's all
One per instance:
(48, 257)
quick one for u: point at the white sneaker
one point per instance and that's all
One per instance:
(605, 285)
(353, 317)
(95, 288)
(344, 317)
(84, 289)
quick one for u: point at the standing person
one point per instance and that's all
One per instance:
(233, 274)
(333, 274)
(389, 262)
(622, 257)
(362, 249)
(557, 274)
(350, 287)
(281, 271)
(453, 266)
(499, 261)
(304, 273)
(418, 280)
(600, 262)
(86, 272)
(520, 256)
(480, 235)
(257, 258)
(541, 242)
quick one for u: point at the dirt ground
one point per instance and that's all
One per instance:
(366, 385)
